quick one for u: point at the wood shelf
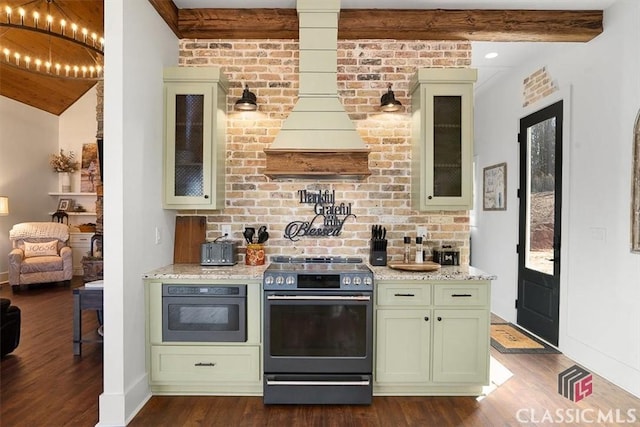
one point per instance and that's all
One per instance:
(54, 193)
(77, 213)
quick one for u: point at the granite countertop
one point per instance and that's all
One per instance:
(446, 272)
(251, 272)
(197, 271)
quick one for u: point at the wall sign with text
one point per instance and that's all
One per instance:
(329, 217)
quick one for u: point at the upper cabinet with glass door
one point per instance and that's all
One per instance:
(442, 138)
(195, 125)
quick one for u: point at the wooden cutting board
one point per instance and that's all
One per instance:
(412, 266)
(191, 232)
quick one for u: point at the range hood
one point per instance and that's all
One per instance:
(318, 139)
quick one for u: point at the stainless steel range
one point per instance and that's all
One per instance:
(318, 331)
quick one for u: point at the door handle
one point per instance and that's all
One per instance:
(319, 298)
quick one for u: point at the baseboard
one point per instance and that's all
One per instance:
(4, 277)
(119, 409)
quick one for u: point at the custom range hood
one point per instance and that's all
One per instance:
(318, 139)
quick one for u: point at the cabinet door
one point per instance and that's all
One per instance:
(461, 346)
(442, 138)
(188, 144)
(403, 345)
(448, 145)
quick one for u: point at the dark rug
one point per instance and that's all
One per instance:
(507, 338)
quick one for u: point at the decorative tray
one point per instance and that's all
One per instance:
(424, 266)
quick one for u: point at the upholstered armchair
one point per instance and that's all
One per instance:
(40, 254)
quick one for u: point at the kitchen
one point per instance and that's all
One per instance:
(134, 207)
(316, 295)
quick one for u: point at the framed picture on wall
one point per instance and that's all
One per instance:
(494, 188)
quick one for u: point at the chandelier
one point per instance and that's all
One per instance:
(40, 37)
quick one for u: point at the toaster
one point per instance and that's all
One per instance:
(219, 253)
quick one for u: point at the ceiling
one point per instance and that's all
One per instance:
(56, 95)
(51, 94)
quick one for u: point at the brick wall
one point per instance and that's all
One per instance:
(365, 69)
(537, 86)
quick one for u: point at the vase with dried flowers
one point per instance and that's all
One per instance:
(64, 164)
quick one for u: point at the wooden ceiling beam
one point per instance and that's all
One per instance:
(433, 24)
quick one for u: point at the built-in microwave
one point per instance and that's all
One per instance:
(204, 313)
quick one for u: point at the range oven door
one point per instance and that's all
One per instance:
(318, 333)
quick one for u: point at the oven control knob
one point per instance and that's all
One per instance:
(279, 280)
(368, 281)
(357, 281)
(268, 280)
(346, 280)
(290, 280)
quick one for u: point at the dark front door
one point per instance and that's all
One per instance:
(540, 208)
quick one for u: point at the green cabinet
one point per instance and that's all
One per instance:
(432, 337)
(461, 346)
(195, 104)
(410, 331)
(442, 139)
(223, 368)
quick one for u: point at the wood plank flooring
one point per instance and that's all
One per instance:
(43, 384)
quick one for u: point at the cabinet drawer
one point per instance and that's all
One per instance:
(413, 294)
(80, 239)
(462, 295)
(205, 364)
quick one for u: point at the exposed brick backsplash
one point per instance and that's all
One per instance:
(537, 86)
(365, 69)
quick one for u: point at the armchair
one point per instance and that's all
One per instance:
(40, 254)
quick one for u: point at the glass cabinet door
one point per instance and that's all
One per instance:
(189, 180)
(442, 139)
(447, 146)
(188, 145)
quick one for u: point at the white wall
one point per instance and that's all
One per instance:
(600, 279)
(27, 137)
(140, 45)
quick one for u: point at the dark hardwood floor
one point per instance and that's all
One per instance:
(43, 384)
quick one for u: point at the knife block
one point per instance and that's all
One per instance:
(377, 257)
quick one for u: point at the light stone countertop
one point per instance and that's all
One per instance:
(197, 271)
(444, 273)
(250, 272)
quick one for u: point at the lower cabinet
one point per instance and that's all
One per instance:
(461, 346)
(409, 330)
(219, 364)
(80, 244)
(204, 368)
(432, 338)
